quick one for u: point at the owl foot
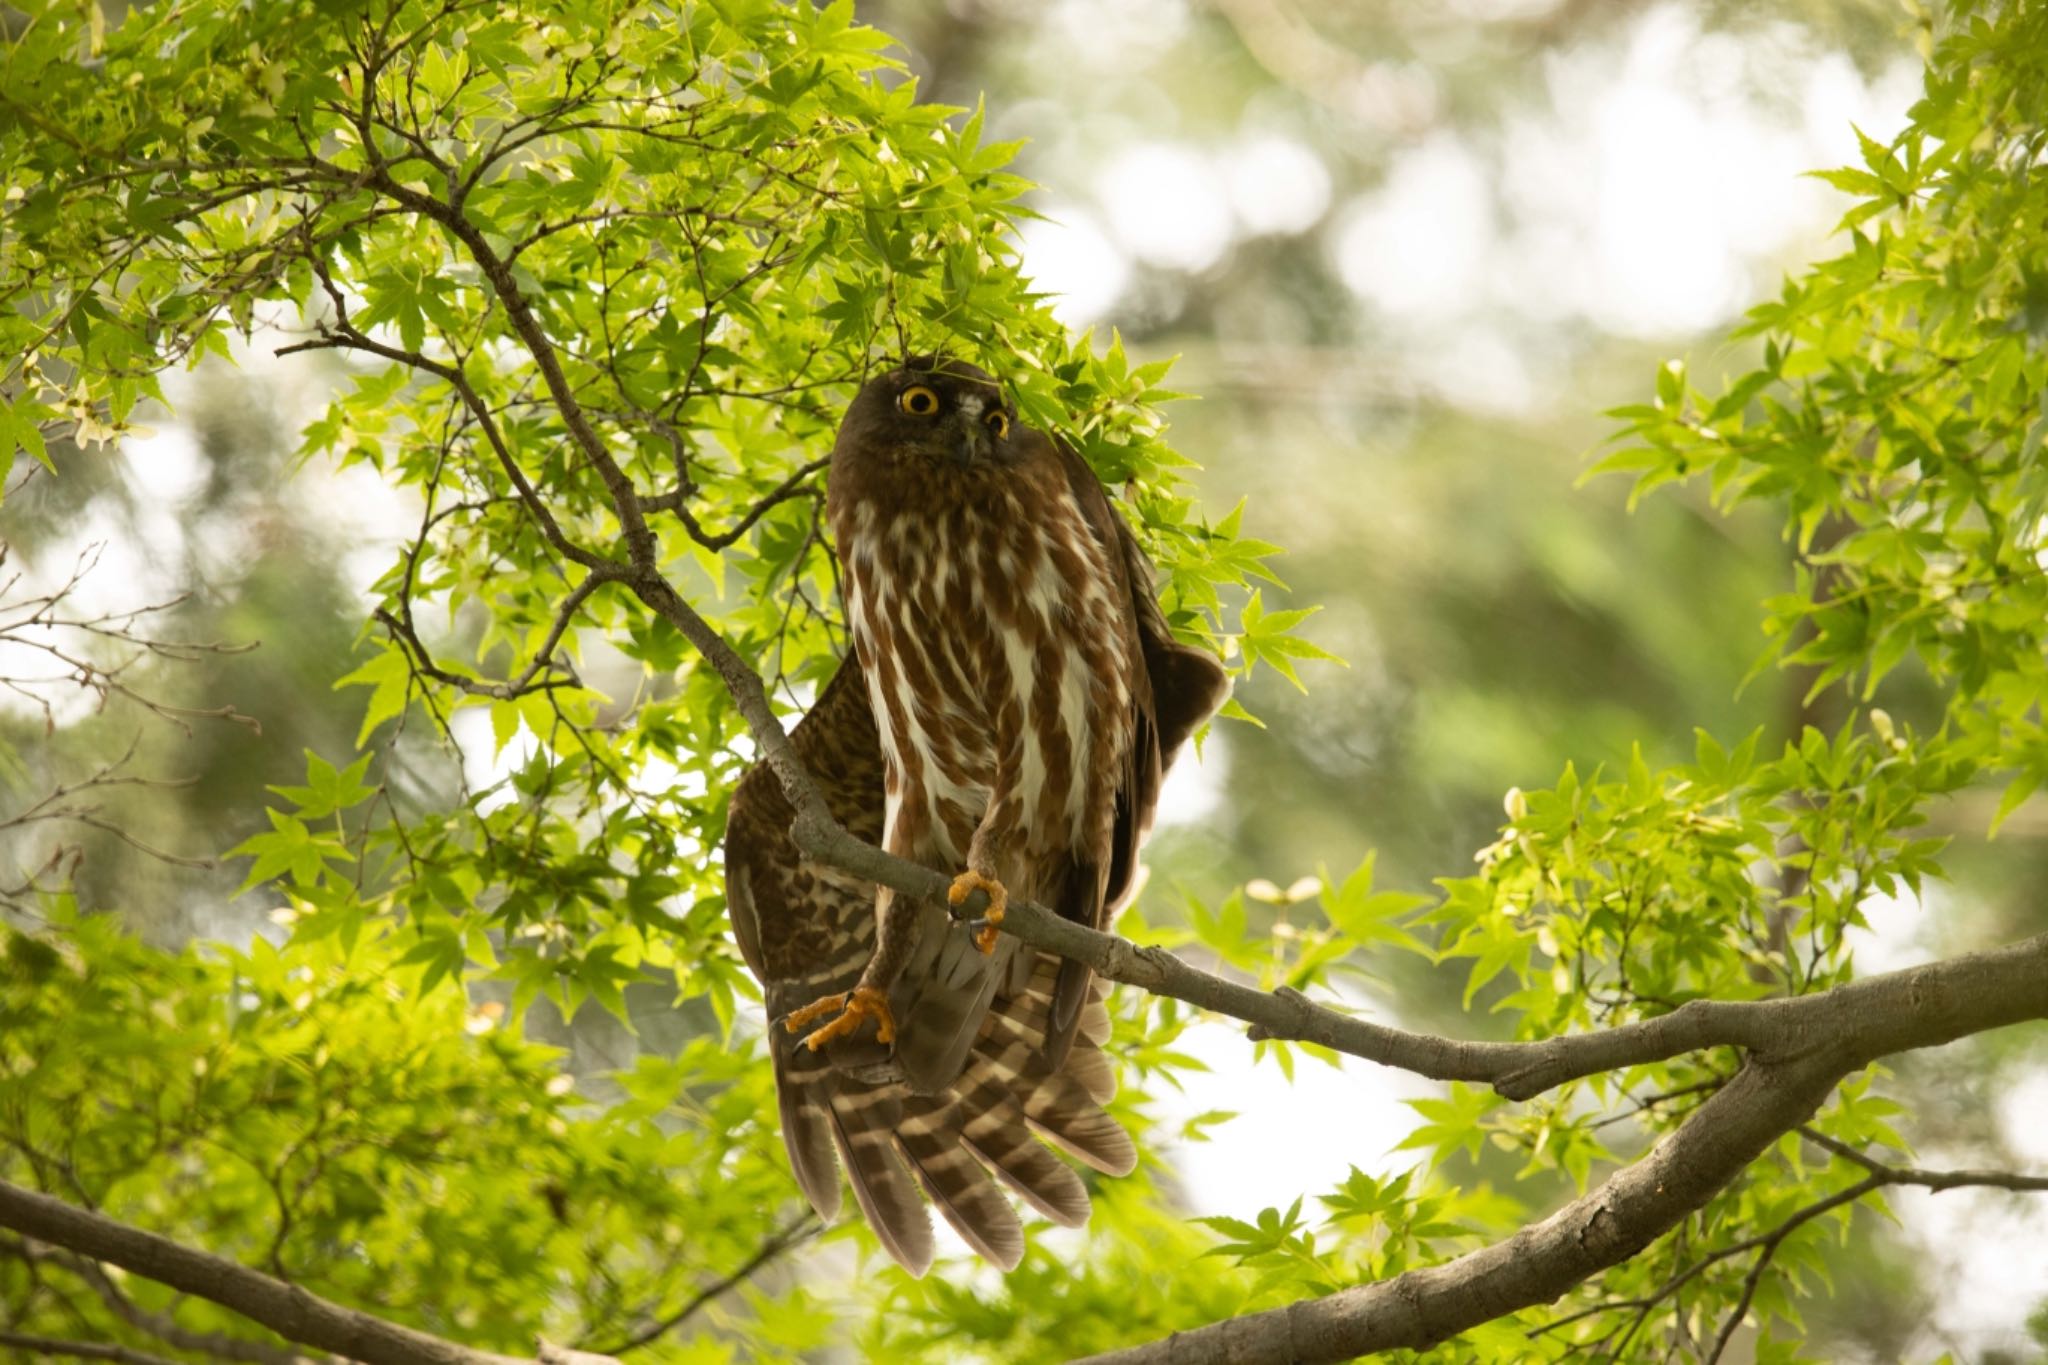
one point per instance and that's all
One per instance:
(965, 885)
(863, 1002)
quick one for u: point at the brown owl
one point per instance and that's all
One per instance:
(1023, 697)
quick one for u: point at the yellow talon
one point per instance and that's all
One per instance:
(863, 1002)
(965, 885)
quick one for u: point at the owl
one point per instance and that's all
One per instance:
(1023, 696)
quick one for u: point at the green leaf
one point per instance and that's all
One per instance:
(390, 677)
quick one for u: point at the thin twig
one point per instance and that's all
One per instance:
(80, 1350)
(785, 1239)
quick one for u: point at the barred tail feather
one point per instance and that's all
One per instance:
(1062, 1100)
(1038, 1177)
(958, 1185)
(1095, 1015)
(862, 1127)
(807, 1134)
(985, 1131)
(1091, 1071)
(1092, 1138)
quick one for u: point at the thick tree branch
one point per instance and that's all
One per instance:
(1541, 1262)
(293, 1313)
(1806, 1047)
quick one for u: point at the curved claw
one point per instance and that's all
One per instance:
(965, 885)
(863, 1002)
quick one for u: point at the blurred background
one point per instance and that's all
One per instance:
(1407, 254)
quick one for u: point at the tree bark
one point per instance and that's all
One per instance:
(1805, 1047)
(293, 1313)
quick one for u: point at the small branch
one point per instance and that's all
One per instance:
(62, 804)
(423, 661)
(678, 502)
(519, 312)
(788, 1238)
(1933, 1180)
(109, 828)
(743, 685)
(342, 334)
(293, 1313)
(1881, 1176)
(1771, 1243)
(162, 1326)
(80, 1350)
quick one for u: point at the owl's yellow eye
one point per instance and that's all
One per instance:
(998, 423)
(918, 401)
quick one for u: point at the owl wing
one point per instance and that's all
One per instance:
(807, 931)
(1182, 688)
(1179, 687)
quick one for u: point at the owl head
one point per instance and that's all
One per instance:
(932, 409)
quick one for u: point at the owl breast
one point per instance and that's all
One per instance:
(995, 663)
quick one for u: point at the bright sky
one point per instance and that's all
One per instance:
(1651, 195)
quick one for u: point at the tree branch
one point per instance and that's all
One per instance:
(1538, 1264)
(794, 1235)
(519, 312)
(162, 1326)
(80, 1350)
(523, 682)
(1880, 1177)
(678, 501)
(1808, 1045)
(293, 1313)
(1874, 1017)
(814, 823)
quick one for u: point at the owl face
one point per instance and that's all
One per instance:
(944, 411)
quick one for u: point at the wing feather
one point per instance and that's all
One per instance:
(807, 1133)
(1178, 688)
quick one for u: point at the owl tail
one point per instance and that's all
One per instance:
(830, 1118)
(966, 1144)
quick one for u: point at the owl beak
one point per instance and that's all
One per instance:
(970, 443)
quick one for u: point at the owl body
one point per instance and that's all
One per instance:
(991, 610)
(1026, 692)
